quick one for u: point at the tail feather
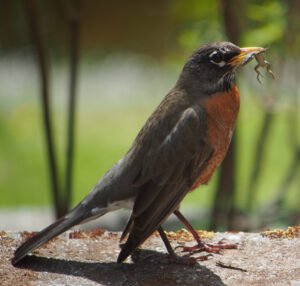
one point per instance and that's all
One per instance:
(75, 217)
(42, 237)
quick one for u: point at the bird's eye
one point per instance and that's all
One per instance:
(217, 58)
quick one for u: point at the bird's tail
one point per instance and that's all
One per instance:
(76, 216)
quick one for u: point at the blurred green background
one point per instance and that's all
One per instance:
(130, 55)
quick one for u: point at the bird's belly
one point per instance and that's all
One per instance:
(212, 164)
(222, 110)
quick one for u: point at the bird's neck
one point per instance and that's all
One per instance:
(194, 83)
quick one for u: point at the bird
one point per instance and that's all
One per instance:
(178, 149)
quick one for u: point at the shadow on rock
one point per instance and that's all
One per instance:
(151, 268)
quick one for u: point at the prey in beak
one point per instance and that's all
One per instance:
(247, 54)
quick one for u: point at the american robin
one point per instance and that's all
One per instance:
(179, 148)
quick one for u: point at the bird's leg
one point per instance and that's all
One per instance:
(172, 255)
(166, 241)
(202, 246)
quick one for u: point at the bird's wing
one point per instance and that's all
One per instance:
(168, 171)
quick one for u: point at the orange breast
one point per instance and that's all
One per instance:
(222, 110)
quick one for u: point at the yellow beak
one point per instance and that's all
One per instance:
(245, 56)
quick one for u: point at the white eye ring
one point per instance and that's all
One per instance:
(212, 54)
(220, 64)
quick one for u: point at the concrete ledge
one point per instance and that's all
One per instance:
(89, 258)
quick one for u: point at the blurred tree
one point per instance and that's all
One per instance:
(265, 23)
(34, 25)
(70, 14)
(169, 31)
(270, 28)
(61, 196)
(267, 29)
(271, 212)
(223, 206)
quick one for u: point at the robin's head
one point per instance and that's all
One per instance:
(212, 67)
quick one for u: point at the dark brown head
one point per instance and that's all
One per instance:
(212, 67)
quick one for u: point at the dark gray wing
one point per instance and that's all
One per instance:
(168, 171)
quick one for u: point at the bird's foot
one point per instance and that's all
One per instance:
(208, 247)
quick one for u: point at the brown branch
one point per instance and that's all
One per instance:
(34, 25)
(230, 10)
(74, 50)
(229, 266)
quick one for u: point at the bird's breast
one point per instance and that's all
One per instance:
(222, 110)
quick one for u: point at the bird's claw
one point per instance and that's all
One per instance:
(208, 247)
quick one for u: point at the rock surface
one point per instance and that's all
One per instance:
(89, 258)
